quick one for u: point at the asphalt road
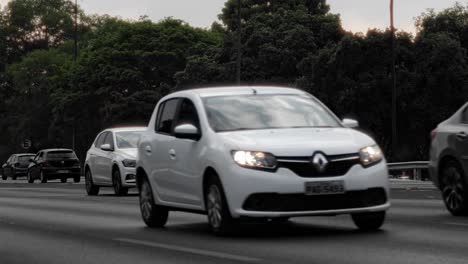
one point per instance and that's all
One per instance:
(57, 223)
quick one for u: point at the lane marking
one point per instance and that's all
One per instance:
(456, 224)
(202, 252)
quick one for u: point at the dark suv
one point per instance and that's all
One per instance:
(51, 164)
(16, 165)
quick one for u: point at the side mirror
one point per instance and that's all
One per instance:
(187, 131)
(107, 147)
(350, 123)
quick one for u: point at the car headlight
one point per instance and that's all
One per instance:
(370, 155)
(129, 163)
(254, 159)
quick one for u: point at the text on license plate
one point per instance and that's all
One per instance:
(63, 171)
(326, 187)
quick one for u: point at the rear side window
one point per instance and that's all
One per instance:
(62, 154)
(166, 114)
(465, 116)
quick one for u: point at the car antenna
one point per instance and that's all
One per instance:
(254, 91)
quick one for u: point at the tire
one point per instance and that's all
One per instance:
(4, 177)
(43, 177)
(30, 178)
(63, 180)
(14, 176)
(454, 189)
(219, 216)
(76, 179)
(91, 189)
(369, 221)
(119, 190)
(153, 215)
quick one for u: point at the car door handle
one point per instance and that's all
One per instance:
(172, 154)
(462, 136)
(148, 149)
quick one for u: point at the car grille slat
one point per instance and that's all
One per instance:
(338, 165)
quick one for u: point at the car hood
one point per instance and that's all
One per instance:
(299, 141)
(128, 153)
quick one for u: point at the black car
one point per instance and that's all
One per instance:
(52, 164)
(16, 166)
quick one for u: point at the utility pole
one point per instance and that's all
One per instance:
(75, 58)
(239, 43)
(394, 85)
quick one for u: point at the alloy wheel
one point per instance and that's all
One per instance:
(214, 206)
(146, 200)
(453, 190)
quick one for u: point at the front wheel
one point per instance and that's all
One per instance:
(219, 216)
(4, 177)
(369, 221)
(454, 191)
(30, 178)
(43, 177)
(153, 215)
(63, 180)
(91, 189)
(119, 190)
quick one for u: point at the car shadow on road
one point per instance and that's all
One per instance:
(268, 231)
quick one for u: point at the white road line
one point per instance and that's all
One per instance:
(189, 250)
(457, 224)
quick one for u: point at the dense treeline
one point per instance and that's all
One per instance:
(124, 67)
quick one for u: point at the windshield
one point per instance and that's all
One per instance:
(231, 113)
(128, 139)
(61, 155)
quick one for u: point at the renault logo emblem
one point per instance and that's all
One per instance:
(320, 162)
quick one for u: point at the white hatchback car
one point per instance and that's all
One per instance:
(111, 160)
(257, 153)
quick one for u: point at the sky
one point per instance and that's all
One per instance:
(357, 15)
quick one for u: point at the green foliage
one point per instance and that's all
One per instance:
(125, 67)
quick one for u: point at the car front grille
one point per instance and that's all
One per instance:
(338, 165)
(273, 202)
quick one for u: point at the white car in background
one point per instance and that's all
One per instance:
(111, 159)
(259, 153)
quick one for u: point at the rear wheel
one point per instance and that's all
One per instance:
(219, 216)
(153, 215)
(91, 189)
(13, 177)
(369, 221)
(76, 179)
(4, 177)
(43, 177)
(454, 191)
(119, 190)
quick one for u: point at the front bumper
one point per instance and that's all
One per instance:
(240, 184)
(128, 177)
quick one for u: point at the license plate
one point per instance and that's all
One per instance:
(63, 171)
(324, 188)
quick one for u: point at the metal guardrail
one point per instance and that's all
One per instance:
(408, 165)
(415, 166)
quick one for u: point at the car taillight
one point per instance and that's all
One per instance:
(433, 133)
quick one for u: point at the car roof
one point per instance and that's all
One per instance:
(238, 90)
(24, 154)
(58, 149)
(125, 129)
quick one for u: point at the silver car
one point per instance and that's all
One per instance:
(111, 159)
(448, 164)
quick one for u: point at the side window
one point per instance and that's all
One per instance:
(188, 114)
(109, 139)
(464, 118)
(40, 155)
(100, 140)
(9, 159)
(166, 114)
